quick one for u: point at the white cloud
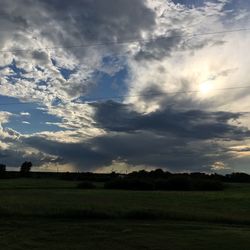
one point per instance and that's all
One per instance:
(219, 166)
(4, 117)
(25, 114)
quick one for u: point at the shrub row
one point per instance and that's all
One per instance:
(175, 183)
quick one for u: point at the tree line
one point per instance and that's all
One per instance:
(137, 180)
(25, 169)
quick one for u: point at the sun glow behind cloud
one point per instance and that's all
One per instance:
(206, 87)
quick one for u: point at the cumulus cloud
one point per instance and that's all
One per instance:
(25, 114)
(171, 139)
(186, 124)
(4, 117)
(219, 166)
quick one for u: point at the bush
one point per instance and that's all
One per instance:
(173, 183)
(86, 185)
(207, 185)
(238, 177)
(129, 184)
(184, 183)
(179, 183)
(162, 184)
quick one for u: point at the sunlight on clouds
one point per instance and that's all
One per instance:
(241, 151)
(3, 146)
(57, 167)
(4, 117)
(69, 136)
(219, 166)
(122, 167)
(206, 88)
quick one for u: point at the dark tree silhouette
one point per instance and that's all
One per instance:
(25, 168)
(2, 168)
(2, 171)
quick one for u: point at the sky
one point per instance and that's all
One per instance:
(125, 85)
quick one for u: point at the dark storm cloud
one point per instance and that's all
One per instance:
(193, 124)
(175, 140)
(169, 152)
(80, 154)
(15, 157)
(141, 148)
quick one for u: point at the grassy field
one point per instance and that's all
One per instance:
(50, 214)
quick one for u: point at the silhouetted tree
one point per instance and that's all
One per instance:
(25, 168)
(2, 171)
(2, 168)
(238, 177)
(157, 173)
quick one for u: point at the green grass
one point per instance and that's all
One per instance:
(50, 214)
(24, 183)
(123, 235)
(48, 198)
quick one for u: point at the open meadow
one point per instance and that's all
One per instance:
(54, 214)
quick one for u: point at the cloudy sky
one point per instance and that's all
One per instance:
(102, 85)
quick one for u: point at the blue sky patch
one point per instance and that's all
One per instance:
(65, 72)
(108, 85)
(18, 73)
(27, 117)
